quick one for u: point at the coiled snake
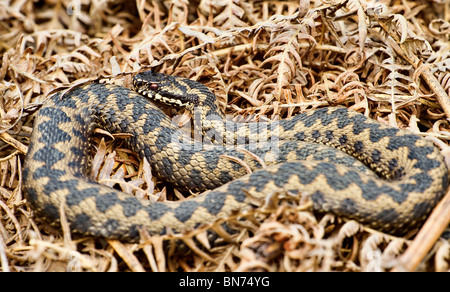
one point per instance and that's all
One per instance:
(305, 153)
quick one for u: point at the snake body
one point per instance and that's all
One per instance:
(348, 164)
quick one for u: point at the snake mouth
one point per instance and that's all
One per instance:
(163, 97)
(145, 93)
(167, 91)
(171, 100)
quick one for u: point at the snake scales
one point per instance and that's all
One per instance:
(408, 175)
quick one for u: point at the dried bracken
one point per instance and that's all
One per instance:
(387, 59)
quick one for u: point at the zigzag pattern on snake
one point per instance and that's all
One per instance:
(399, 180)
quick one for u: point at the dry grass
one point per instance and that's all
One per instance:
(389, 60)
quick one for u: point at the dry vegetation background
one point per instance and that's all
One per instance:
(389, 60)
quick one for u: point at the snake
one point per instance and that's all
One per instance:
(344, 162)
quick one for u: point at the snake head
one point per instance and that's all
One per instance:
(168, 89)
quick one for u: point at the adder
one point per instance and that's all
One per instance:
(348, 164)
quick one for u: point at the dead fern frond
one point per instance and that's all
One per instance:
(442, 257)
(230, 15)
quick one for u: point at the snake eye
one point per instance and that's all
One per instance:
(154, 86)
